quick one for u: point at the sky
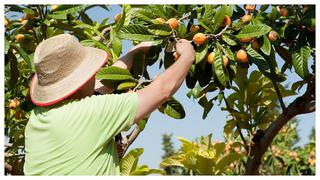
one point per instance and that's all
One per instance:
(192, 126)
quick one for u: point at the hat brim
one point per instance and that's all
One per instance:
(93, 60)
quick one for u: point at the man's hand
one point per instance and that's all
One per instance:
(184, 48)
(126, 61)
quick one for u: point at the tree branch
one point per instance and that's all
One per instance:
(283, 54)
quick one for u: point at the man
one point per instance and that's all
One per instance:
(72, 131)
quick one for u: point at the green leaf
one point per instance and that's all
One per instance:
(201, 52)
(6, 46)
(226, 160)
(300, 58)
(24, 55)
(72, 10)
(136, 33)
(126, 86)
(173, 108)
(114, 73)
(249, 31)
(116, 43)
(172, 161)
(129, 162)
(95, 43)
(142, 123)
(124, 17)
(228, 40)
(186, 145)
(257, 59)
(220, 15)
(266, 46)
(160, 29)
(219, 68)
(207, 106)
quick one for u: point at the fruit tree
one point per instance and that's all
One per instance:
(244, 54)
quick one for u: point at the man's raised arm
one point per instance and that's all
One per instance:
(166, 84)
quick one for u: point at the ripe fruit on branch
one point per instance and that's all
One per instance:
(176, 56)
(14, 103)
(250, 7)
(194, 28)
(30, 31)
(161, 20)
(117, 17)
(227, 21)
(272, 35)
(246, 18)
(242, 56)
(284, 12)
(211, 58)
(19, 38)
(54, 7)
(245, 39)
(199, 38)
(255, 44)
(173, 23)
(225, 60)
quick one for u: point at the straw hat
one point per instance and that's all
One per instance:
(62, 66)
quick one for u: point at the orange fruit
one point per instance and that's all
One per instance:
(117, 17)
(173, 23)
(225, 60)
(245, 39)
(54, 7)
(246, 18)
(227, 21)
(176, 56)
(19, 37)
(194, 28)
(255, 44)
(28, 16)
(272, 35)
(161, 20)
(199, 38)
(284, 12)
(250, 7)
(211, 58)
(30, 31)
(242, 56)
(14, 103)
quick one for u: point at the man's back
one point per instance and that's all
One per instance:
(76, 138)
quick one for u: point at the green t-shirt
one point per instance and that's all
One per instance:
(77, 137)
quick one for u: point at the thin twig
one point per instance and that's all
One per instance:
(237, 125)
(222, 31)
(283, 106)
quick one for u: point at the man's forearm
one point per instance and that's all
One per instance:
(173, 77)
